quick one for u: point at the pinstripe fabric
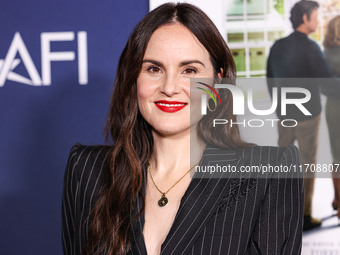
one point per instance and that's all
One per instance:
(216, 215)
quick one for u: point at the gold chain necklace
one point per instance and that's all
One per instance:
(163, 201)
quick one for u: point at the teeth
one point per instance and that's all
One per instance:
(169, 105)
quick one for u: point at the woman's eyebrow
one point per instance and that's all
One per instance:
(188, 62)
(155, 62)
(183, 63)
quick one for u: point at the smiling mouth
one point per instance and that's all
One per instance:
(170, 106)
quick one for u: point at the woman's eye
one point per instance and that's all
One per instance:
(190, 71)
(154, 69)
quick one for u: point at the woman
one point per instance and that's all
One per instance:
(137, 197)
(332, 53)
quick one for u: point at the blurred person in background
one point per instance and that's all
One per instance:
(297, 56)
(332, 53)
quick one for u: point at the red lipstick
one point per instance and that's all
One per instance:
(170, 106)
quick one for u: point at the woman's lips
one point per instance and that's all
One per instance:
(170, 106)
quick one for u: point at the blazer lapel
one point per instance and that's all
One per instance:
(199, 202)
(138, 244)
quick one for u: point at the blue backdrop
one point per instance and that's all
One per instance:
(57, 66)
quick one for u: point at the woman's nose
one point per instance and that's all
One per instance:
(171, 85)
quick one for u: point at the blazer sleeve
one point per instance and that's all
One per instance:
(279, 227)
(69, 202)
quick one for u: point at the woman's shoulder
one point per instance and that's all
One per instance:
(87, 163)
(273, 153)
(331, 50)
(259, 153)
(332, 55)
(259, 161)
(89, 153)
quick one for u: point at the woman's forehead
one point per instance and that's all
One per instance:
(175, 40)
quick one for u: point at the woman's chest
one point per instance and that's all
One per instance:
(158, 220)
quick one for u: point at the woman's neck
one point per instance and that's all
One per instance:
(175, 153)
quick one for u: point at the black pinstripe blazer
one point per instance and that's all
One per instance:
(215, 216)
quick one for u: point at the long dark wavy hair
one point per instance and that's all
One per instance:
(132, 136)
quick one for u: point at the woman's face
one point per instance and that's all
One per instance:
(173, 56)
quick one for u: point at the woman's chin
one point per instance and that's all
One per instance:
(171, 131)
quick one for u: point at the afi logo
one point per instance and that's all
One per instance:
(18, 46)
(238, 100)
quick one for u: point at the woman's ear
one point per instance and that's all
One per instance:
(220, 74)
